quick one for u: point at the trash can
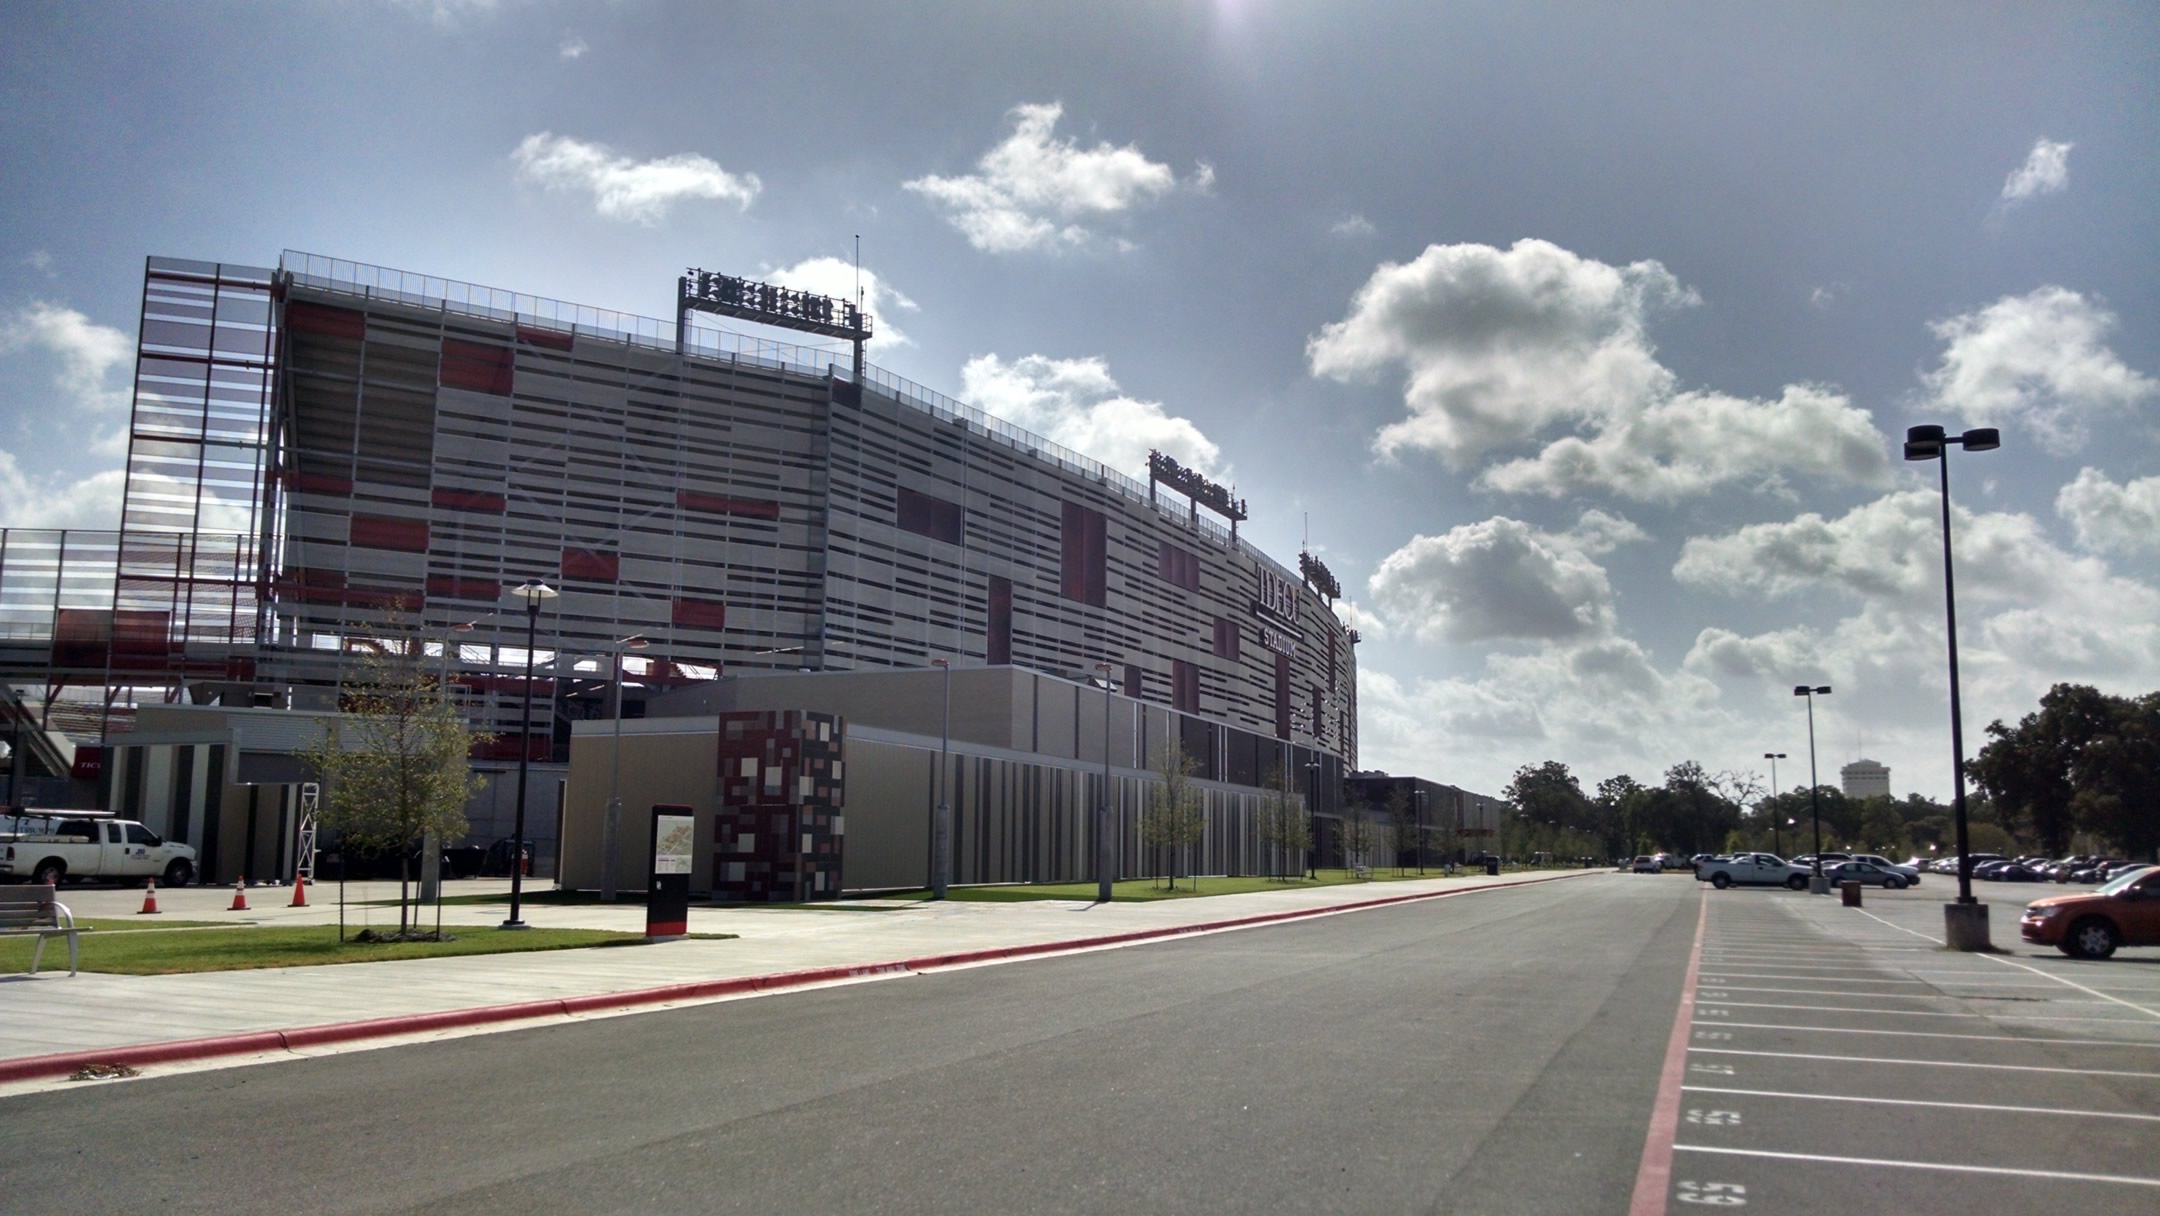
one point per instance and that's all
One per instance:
(1492, 866)
(1851, 891)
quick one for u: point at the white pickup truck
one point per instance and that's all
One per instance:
(59, 845)
(1753, 870)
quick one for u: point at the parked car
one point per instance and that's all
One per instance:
(1911, 873)
(1753, 869)
(2091, 924)
(1648, 865)
(488, 861)
(61, 846)
(1866, 873)
(1828, 859)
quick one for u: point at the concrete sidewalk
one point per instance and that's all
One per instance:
(54, 1013)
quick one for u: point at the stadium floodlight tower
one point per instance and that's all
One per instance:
(728, 295)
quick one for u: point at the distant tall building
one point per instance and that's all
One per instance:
(1865, 779)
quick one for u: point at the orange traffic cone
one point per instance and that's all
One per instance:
(149, 900)
(299, 892)
(239, 895)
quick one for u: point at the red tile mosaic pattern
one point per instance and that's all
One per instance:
(779, 832)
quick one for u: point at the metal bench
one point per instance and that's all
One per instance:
(28, 911)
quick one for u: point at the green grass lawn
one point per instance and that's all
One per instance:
(1138, 890)
(239, 948)
(124, 924)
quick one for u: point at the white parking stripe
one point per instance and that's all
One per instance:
(1912, 1013)
(2064, 1175)
(2151, 1013)
(1756, 975)
(2014, 1110)
(1804, 1055)
(1896, 996)
(1921, 1034)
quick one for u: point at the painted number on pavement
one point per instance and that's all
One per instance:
(1713, 1118)
(1714, 1036)
(1714, 1194)
(1715, 1070)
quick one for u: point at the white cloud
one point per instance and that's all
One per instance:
(1352, 225)
(1501, 346)
(2111, 517)
(41, 261)
(1502, 579)
(1691, 443)
(572, 47)
(55, 501)
(2040, 358)
(1033, 190)
(446, 14)
(2046, 171)
(1370, 625)
(625, 189)
(1823, 297)
(88, 353)
(2032, 613)
(1075, 402)
(836, 277)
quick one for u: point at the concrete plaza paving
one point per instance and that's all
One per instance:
(54, 1012)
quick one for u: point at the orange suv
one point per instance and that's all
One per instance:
(2125, 912)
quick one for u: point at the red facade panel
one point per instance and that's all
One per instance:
(1001, 608)
(326, 320)
(476, 366)
(383, 532)
(699, 614)
(443, 586)
(592, 564)
(552, 339)
(721, 504)
(469, 500)
(1085, 550)
(319, 483)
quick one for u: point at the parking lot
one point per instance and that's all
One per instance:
(1837, 1060)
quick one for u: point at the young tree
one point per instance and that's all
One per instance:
(1174, 820)
(1357, 833)
(395, 765)
(1281, 822)
(1402, 834)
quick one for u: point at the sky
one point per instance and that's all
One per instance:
(1579, 339)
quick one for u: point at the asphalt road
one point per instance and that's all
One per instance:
(1495, 1053)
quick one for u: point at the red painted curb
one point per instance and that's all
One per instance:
(253, 1042)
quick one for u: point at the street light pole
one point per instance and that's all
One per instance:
(1102, 805)
(611, 827)
(534, 594)
(1966, 921)
(1420, 831)
(1818, 884)
(941, 826)
(1776, 846)
(1312, 819)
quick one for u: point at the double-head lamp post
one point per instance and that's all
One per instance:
(611, 827)
(534, 594)
(1933, 443)
(1775, 846)
(1818, 884)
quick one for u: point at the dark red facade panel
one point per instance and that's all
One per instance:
(469, 500)
(448, 587)
(303, 585)
(323, 319)
(552, 339)
(1226, 638)
(593, 564)
(721, 504)
(319, 483)
(1177, 567)
(929, 515)
(1085, 549)
(476, 366)
(699, 614)
(1001, 612)
(1282, 697)
(382, 532)
(1135, 682)
(1184, 686)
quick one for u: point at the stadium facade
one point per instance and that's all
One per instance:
(324, 447)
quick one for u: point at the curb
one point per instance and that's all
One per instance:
(255, 1042)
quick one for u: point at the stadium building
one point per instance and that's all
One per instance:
(324, 448)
